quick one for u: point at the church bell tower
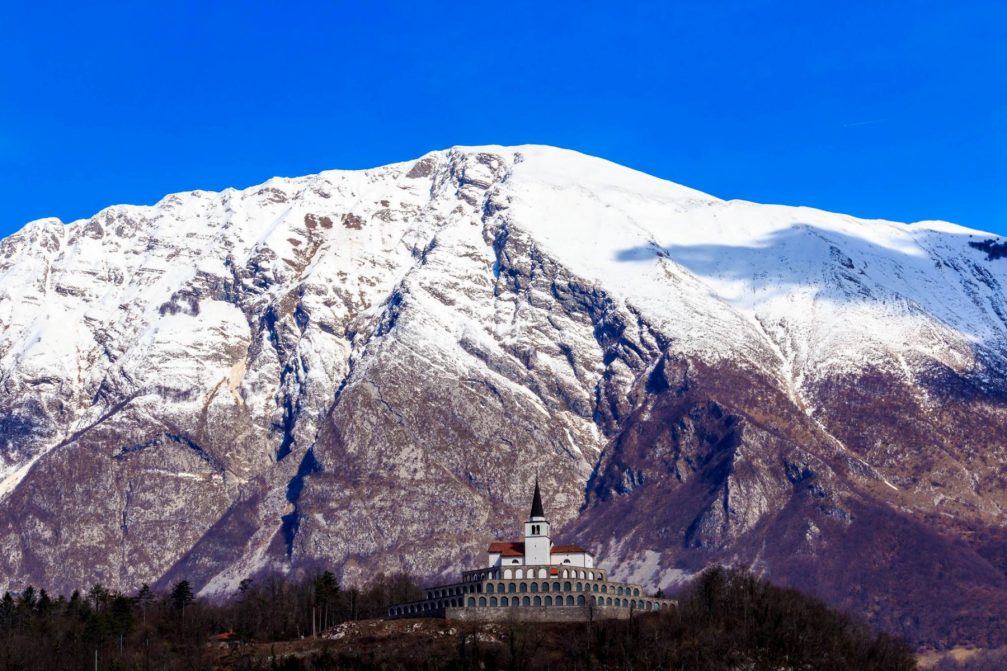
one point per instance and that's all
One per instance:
(537, 545)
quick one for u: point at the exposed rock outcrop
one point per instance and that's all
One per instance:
(368, 369)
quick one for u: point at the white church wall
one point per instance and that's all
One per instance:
(581, 559)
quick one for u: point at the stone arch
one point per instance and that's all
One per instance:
(482, 601)
(537, 601)
(580, 587)
(472, 602)
(556, 587)
(533, 586)
(594, 587)
(581, 600)
(542, 573)
(567, 587)
(511, 587)
(569, 600)
(545, 587)
(525, 601)
(632, 604)
(590, 575)
(619, 591)
(500, 588)
(566, 574)
(523, 587)
(504, 601)
(636, 591)
(493, 601)
(489, 588)
(508, 574)
(608, 601)
(519, 573)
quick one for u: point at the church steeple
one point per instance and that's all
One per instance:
(537, 512)
(537, 546)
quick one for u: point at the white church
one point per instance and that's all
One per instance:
(534, 580)
(537, 548)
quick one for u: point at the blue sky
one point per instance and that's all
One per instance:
(879, 109)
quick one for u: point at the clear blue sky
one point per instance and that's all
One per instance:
(879, 109)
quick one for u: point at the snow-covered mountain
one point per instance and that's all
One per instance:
(367, 369)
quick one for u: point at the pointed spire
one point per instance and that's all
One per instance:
(536, 503)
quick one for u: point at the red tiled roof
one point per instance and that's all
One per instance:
(507, 548)
(516, 548)
(567, 549)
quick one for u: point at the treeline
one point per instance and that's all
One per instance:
(730, 619)
(725, 620)
(106, 629)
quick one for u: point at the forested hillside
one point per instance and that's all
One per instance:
(725, 620)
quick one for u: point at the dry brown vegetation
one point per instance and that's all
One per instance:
(725, 620)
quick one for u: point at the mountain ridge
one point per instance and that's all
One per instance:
(726, 380)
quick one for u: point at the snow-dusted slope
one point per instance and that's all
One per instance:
(222, 382)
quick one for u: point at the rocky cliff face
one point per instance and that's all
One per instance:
(367, 369)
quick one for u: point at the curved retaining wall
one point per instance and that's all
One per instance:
(540, 614)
